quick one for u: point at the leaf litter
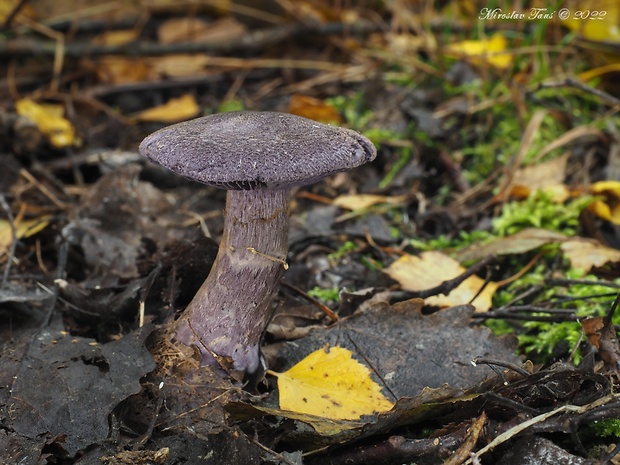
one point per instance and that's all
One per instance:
(102, 244)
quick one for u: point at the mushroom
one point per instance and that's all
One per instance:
(257, 157)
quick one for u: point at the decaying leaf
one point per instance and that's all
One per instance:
(525, 240)
(49, 120)
(601, 333)
(431, 269)
(331, 384)
(67, 386)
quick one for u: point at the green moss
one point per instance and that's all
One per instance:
(539, 210)
(606, 428)
(325, 295)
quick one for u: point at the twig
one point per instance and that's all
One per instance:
(63, 254)
(571, 82)
(510, 366)
(11, 255)
(514, 431)
(254, 40)
(324, 308)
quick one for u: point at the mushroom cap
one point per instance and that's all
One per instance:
(256, 149)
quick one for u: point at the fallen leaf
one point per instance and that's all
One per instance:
(483, 51)
(174, 110)
(313, 108)
(584, 254)
(67, 387)
(331, 384)
(118, 70)
(525, 240)
(601, 333)
(547, 177)
(194, 30)
(595, 20)
(323, 426)
(116, 38)
(23, 228)
(48, 118)
(363, 201)
(607, 208)
(431, 269)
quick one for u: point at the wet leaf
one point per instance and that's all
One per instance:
(67, 386)
(49, 120)
(431, 269)
(329, 383)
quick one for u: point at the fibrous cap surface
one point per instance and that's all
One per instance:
(249, 150)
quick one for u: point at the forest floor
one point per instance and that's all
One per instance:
(467, 277)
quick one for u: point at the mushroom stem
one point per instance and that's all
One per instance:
(231, 310)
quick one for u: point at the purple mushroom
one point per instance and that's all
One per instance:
(258, 157)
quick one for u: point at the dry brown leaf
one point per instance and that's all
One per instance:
(116, 38)
(176, 66)
(119, 70)
(430, 269)
(194, 30)
(313, 108)
(547, 177)
(584, 254)
(363, 201)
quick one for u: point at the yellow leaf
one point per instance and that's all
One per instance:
(430, 269)
(329, 383)
(323, 426)
(595, 20)
(608, 208)
(176, 109)
(24, 228)
(484, 51)
(49, 120)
